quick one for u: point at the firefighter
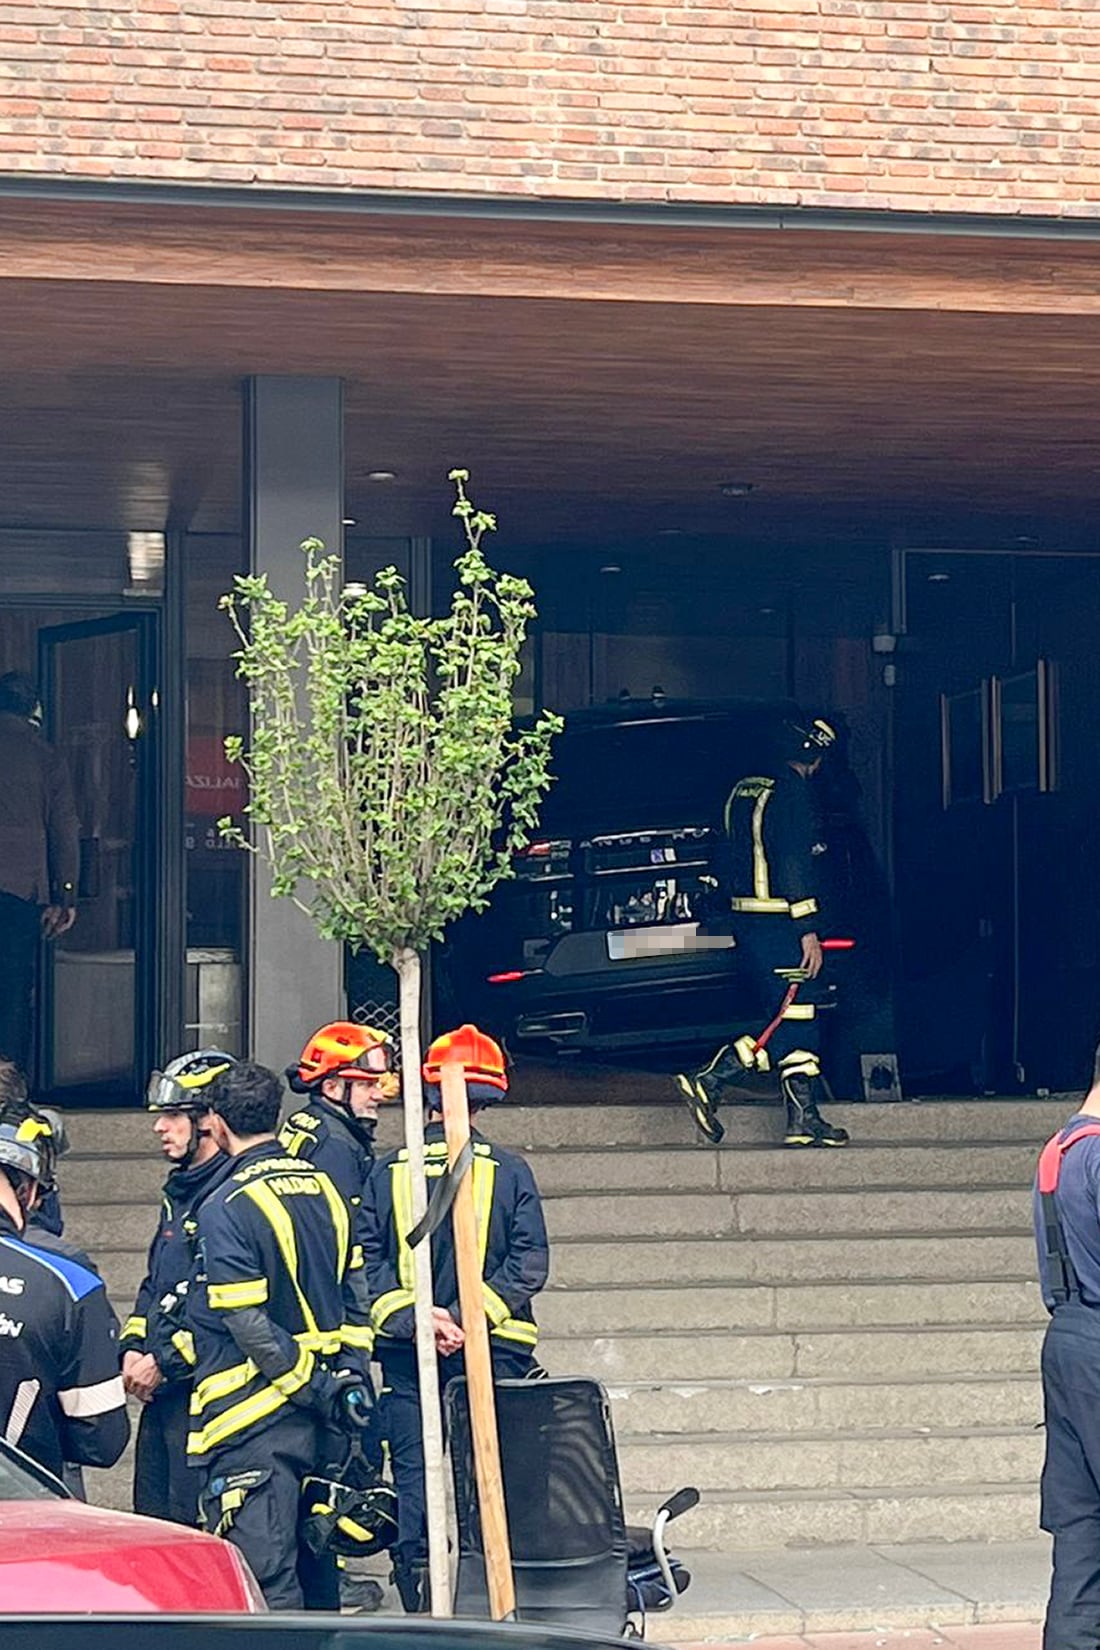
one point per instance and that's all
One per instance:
(346, 1070)
(515, 1266)
(1067, 1223)
(280, 1350)
(158, 1353)
(771, 843)
(61, 1395)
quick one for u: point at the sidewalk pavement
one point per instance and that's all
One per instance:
(908, 1597)
(986, 1636)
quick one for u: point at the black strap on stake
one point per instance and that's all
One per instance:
(443, 1195)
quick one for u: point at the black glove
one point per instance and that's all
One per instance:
(355, 1407)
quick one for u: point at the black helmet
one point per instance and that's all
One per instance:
(183, 1084)
(341, 1518)
(23, 1136)
(809, 738)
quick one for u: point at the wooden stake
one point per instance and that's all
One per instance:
(478, 1356)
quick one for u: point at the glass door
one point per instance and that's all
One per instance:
(97, 1024)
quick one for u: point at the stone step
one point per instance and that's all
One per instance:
(870, 1517)
(796, 1406)
(804, 1213)
(655, 1120)
(838, 1462)
(947, 1255)
(752, 1168)
(798, 1307)
(964, 1349)
(136, 1177)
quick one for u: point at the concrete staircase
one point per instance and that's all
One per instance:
(836, 1347)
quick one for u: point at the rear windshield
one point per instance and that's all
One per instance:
(20, 1483)
(634, 775)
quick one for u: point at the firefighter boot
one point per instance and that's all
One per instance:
(805, 1124)
(701, 1094)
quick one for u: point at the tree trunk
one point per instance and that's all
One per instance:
(407, 964)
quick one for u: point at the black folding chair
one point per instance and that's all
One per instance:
(564, 1504)
(571, 1548)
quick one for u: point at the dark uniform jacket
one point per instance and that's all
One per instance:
(158, 1323)
(773, 841)
(330, 1140)
(61, 1396)
(513, 1243)
(39, 831)
(275, 1235)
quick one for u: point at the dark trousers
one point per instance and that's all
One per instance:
(401, 1425)
(164, 1485)
(1071, 1476)
(252, 1498)
(765, 943)
(20, 927)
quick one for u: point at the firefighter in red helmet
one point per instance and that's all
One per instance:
(515, 1266)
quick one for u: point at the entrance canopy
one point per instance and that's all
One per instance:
(601, 383)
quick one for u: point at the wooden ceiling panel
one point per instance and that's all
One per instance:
(120, 407)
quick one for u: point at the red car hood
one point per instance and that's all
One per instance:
(64, 1556)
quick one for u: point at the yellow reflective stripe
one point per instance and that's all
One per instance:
(401, 1190)
(496, 1309)
(760, 884)
(184, 1343)
(394, 1300)
(484, 1180)
(800, 1062)
(237, 1419)
(800, 1011)
(357, 1259)
(297, 1377)
(338, 1209)
(283, 1228)
(743, 902)
(134, 1326)
(221, 1384)
(357, 1334)
(804, 908)
(293, 1141)
(224, 1297)
(516, 1329)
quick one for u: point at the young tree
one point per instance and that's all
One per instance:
(389, 788)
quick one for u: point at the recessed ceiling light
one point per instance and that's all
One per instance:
(735, 489)
(349, 521)
(381, 475)
(939, 578)
(670, 532)
(610, 567)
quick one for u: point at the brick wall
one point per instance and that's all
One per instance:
(956, 106)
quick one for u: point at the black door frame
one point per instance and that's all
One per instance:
(152, 945)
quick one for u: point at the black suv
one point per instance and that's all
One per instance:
(595, 944)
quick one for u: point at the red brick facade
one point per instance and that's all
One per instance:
(955, 106)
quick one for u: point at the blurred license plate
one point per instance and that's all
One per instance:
(630, 944)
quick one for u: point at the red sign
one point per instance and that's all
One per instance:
(215, 786)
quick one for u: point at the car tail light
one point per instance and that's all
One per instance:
(509, 975)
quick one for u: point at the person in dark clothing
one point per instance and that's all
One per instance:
(1067, 1229)
(771, 843)
(279, 1361)
(61, 1395)
(39, 857)
(515, 1267)
(347, 1071)
(158, 1352)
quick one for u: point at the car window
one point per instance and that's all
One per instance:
(20, 1480)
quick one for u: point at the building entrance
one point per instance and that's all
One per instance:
(96, 1018)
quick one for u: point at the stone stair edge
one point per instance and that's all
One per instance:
(770, 1332)
(878, 1492)
(886, 1435)
(655, 1286)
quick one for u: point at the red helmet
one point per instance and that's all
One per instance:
(482, 1059)
(342, 1049)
